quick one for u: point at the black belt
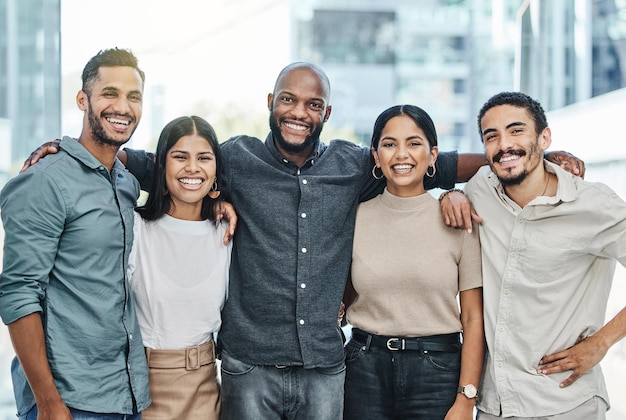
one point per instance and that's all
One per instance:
(448, 343)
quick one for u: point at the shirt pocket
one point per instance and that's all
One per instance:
(547, 255)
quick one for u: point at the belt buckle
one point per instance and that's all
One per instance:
(391, 341)
(192, 354)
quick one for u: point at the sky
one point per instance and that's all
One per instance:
(213, 52)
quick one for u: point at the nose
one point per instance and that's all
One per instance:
(299, 109)
(505, 142)
(402, 151)
(122, 105)
(192, 166)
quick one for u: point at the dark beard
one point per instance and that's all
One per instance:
(99, 134)
(507, 182)
(289, 147)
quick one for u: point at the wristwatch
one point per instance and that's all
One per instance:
(468, 390)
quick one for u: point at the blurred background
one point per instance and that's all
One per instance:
(219, 59)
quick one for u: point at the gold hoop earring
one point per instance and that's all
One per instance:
(374, 173)
(434, 171)
(214, 193)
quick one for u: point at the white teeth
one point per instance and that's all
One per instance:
(296, 127)
(192, 181)
(116, 121)
(402, 167)
(509, 158)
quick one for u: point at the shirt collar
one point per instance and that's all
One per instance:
(566, 186)
(318, 149)
(78, 152)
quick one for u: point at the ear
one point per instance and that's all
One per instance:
(329, 108)
(434, 152)
(376, 159)
(270, 101)
(82, 100)
(545, 139)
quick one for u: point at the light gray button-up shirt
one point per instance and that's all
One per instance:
(547, 274)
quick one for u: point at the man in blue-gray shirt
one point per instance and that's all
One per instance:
(64, 294)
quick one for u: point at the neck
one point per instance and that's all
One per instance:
(296, 157)
(105, 153)
(539, 183)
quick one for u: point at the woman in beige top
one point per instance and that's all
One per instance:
(405, 359)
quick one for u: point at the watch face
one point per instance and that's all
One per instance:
(469, 391)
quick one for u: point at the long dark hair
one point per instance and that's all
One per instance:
(159, 203)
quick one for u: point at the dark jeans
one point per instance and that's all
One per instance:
(251, 392)
(410, 384)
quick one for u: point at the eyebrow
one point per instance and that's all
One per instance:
(207, 152)
(513, 124)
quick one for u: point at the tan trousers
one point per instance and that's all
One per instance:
(183, 384)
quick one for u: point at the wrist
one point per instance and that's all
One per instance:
(445, 193)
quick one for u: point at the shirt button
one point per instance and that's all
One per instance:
(303, 215)
(304, 250)
(303, 286)
(130, 337)
(302, 322)
(304, 181)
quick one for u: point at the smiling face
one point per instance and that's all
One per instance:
(189, 175)
(298, 109)
(113, 105)
(512, 147)
(404, 154)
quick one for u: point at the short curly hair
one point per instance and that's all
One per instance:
(520, 100)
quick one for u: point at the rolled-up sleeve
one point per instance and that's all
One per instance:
(33, 216)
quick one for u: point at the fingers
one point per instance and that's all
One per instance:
(47, 148)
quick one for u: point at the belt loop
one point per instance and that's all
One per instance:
(148, 355)
(368, 342)
(192, 358)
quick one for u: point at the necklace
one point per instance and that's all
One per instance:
(547, 183)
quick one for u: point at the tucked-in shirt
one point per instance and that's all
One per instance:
(547, 274)
(68, 233)
(293, 245)
(408, 267)
(179, 275)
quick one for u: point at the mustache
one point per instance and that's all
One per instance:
(518, 152)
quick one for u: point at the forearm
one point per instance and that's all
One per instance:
(468, 164)
(613, 331)
(29, 344)
(473, 351)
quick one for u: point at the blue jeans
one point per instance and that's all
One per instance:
(85, 415)
(270, 392)
(410, 384)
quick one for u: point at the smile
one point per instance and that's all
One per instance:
(191, 181)
(296, 127)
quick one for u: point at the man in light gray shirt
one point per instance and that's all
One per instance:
(550, 241)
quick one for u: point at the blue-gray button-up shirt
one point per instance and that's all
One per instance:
(68, 232)
(293, 245)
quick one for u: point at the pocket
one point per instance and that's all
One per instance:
(353, 351)
(234, 367)
(332, 370)
(445, 361)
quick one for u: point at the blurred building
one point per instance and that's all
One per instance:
(30, 69)
(446, 56)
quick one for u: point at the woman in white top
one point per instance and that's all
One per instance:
(405, 359)
(180, 272)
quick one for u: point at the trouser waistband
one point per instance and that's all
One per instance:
(448, 343)
(190, 358)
